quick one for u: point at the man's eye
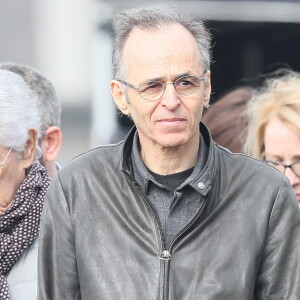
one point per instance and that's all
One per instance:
(154, 86)
(186, 82)
(189, 81)
(151, 87)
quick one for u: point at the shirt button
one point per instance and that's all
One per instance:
(201, 185)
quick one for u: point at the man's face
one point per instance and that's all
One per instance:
(165, 55)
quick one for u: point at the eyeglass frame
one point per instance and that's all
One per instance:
(284, 165)
(5, 159)
(137, 88)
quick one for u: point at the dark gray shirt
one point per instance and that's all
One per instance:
(175, 208)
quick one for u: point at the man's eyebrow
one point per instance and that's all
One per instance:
(154, 79)
(174, 77)
(183, 75)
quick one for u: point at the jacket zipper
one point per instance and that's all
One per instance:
(162, 243)
(166, 253)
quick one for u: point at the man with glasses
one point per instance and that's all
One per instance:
(167, 213)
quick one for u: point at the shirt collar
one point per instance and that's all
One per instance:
(140, 171)
(143, 177)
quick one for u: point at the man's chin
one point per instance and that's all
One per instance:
(173, 142)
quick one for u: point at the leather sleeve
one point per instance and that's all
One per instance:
(57, 268)
(279, 273)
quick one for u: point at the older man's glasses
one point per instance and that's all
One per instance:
(154, 90)
(295, 166)
(5, 159)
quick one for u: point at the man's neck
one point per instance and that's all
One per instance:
(165, 161)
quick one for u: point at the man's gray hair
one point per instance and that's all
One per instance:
(18, 111)
(48, 102)
(151, 19)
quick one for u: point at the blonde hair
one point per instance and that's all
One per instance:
(279, 98)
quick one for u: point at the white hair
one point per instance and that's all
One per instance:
(48, 101)
(18, 111)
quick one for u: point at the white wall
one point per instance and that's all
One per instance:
(63, 36)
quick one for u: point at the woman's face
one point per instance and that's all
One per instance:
(283, 145)
(11, 176)
(12, 172)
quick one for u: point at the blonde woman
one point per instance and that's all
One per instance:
(274, 126)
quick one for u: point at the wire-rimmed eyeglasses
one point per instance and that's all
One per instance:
(153, 90)
(295, 166)
(5, 159)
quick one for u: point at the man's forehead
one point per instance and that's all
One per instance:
(171, 43)
(161, 31)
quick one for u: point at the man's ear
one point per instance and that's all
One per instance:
(51, 143)
(116, 88)
(207, 88)
(28, 155)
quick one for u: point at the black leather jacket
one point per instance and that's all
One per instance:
(100, 238)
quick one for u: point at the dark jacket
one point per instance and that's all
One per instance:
(101, 239)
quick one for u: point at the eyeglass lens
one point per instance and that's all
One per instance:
(184, 86)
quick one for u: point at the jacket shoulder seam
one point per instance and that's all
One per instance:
(97, 148)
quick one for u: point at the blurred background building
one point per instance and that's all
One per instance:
(71, 42)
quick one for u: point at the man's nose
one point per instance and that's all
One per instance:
(170, 97)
